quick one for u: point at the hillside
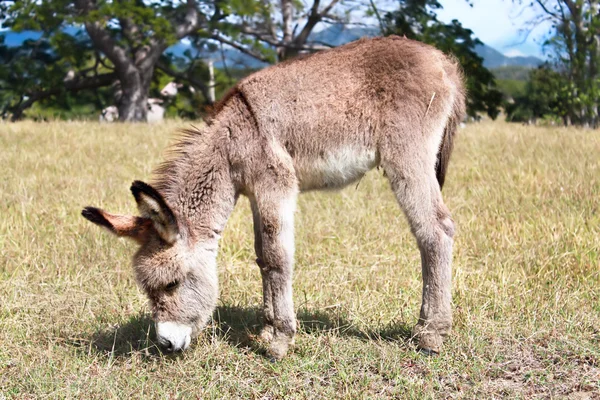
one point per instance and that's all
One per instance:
(492, 58)
(512, 72)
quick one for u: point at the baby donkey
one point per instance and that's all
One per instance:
(318, 122)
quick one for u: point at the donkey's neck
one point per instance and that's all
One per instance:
(197, 183)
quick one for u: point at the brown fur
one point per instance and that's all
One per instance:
(319, 122)
(454, 120)
(137, 228)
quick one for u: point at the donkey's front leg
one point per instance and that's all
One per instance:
(268, 330)
(276, 262)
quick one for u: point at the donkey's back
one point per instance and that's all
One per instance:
(340, 112)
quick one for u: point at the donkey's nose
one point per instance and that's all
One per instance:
(173, 336)
(168, 345)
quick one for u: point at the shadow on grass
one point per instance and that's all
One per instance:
(238, 326)
(314, 322)
(137, 335)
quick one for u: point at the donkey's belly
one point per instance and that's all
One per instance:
(334, 169)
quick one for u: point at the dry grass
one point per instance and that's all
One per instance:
(526, 278)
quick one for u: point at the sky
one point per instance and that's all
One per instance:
(497, 23)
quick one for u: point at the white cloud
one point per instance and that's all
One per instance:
(514, 53)
(497, 23)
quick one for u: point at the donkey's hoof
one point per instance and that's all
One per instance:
(277, 351)
(428, 352)
(429, 342)
(266, 335)
(279, 346)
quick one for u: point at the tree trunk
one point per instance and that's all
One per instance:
(135, 85)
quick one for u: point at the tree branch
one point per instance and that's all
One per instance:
(542, 4)
(72, 86)
(376, 11)
(262, 36)
(313, 19)
(239, 47)
(102, 39)
(152, 53)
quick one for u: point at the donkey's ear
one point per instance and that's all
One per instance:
(136, 228)
(152, 205)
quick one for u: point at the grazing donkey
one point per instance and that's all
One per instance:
(318, 122)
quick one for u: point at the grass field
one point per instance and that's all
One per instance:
(526, 288)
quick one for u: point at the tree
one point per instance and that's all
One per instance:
(545, 95)
(574, 42)
(37, 70)
(130, 34)
(126, 38)
(282, 27)
(416, 19)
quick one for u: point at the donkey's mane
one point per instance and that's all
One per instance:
(219, 105)
(166, 175)
(188, 144)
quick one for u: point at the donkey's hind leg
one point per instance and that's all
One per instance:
(419, 195)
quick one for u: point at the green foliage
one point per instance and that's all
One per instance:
(511, 88)
(40, 64)
(574, 46)
(546, 95)
(416, 19)
(118, 40)
(150, 18)
(511, 81)
(512, 72)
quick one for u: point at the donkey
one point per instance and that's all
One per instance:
(318, 122)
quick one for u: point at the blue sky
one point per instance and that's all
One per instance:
(497, 23)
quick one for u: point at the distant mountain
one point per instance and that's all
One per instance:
(334, 35)
(233, 58)
(492, 58)
(512, 72)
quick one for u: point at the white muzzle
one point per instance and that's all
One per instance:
(173, 336)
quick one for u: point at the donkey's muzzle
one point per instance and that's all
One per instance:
(173, 336)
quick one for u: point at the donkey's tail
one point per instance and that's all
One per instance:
(454, 119)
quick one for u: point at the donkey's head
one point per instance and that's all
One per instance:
(179, 278)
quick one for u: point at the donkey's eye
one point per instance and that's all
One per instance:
(172, 285)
